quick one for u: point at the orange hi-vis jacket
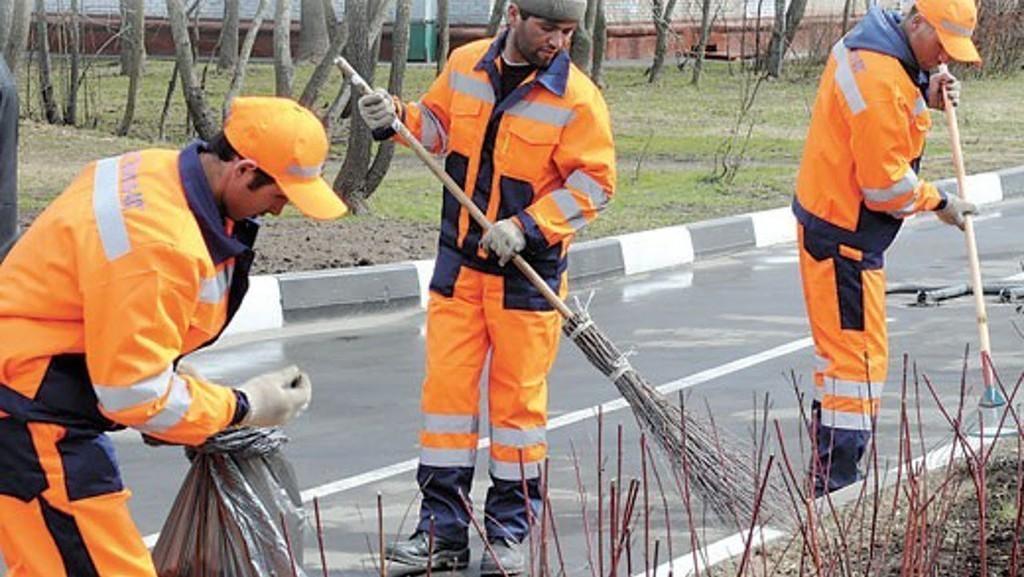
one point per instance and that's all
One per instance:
(544, 155)
(127, 270)
(858, 176)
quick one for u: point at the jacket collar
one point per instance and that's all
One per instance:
(882, 31)
(221, 242)
(554, 77)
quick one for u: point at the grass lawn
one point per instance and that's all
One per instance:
(667, 137)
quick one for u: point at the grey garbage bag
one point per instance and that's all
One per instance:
(226, 520)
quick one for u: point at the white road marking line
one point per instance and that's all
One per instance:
(715, 553)
(559, 422)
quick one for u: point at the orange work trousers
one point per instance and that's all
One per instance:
(844, 290)
(462, 330)
(63, 509)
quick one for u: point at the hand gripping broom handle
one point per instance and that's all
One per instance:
(972, 246)
(456, 191)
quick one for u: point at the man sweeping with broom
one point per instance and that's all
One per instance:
(528, 136)
(858, 180)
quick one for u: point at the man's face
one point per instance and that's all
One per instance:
(924, 41)
(242, 200)
(537, 39)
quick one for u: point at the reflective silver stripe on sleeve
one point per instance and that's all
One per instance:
(214, 289)
(178, 401)
(845, 80)
(902, 186)
(113, 398)
(582, 181)
(920, 106)
(432, 136)
(843, 420)
(471, 86)
(106, 205)
(820, 363)
(518, 437)
(571, 210)
(539, 112)
(849, 389)
(956, 29)
(512, 472)
(456, 424)
(905, 210)
(447, 457)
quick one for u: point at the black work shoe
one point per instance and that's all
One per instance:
(510, 558)
(413, 554)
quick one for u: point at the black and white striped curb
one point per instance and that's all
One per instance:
(276, 300)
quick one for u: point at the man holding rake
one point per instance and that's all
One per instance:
(858, 180)
(527, 135)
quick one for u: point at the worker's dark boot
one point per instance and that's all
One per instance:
(509, 557)
(413, 554)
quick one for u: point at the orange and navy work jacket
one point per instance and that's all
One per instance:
(544, 155)
(129, 268)
(858, 178)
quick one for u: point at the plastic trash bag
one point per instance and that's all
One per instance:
(226, 519)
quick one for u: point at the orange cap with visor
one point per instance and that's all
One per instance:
(289, 143)
(954, 21)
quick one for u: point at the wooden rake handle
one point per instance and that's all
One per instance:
(972, 246)
(453, 187)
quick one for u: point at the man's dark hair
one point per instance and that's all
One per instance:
(220, 146)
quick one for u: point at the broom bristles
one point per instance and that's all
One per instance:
(723, 475)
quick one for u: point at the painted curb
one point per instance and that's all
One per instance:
(277, 300)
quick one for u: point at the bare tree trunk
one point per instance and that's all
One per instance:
(378, 14)
(339, 40)
(125, 55)
(847, 8)
(351, 180)
(785, 31)
(662, 24)
(497, 13)
(582, 48)
(399, 58)
(284, 69)
(702, 44)
(600, 43)
(238, 75)
(135, 39)
(5, 21)
(313, 40)
(195, 99)
(48, 99)
(444, 34)
(228, 41)
(17, 37)
(332, 19)
(71, 100)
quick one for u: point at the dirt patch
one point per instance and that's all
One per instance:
(925, 526)
(296, 244)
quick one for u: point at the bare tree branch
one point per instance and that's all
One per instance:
(444, 34)
(497, 13)
(17, 36)
(74, 50)
(48, 99)
(135, 39)
(238, 75)
(195, 99)
(228, 41)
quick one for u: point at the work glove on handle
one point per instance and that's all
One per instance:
(377, 109)
(504, 240)
(942, 78)
(276, 398)
(955, 210)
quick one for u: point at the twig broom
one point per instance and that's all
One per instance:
(722, 474)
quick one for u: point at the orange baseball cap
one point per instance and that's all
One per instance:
(289, 143)
(954, 21)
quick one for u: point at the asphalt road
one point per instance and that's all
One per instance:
(729, 330)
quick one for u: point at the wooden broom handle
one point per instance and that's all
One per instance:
(972, 245)
(456, 191)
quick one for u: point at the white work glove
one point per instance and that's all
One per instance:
(504, 240)
(955, 210)
(942, 78)
(275, 398)
(377, 109)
